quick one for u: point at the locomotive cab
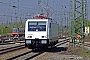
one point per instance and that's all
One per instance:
(36, 33)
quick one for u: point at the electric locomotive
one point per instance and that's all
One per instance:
(41, 33)
(17, 33)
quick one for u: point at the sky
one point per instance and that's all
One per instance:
(17, 10)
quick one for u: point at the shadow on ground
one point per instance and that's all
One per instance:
(56, 49)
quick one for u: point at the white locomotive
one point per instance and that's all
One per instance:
(41, 33)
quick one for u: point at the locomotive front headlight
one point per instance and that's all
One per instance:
(28, 41)
(44, 41)
(30, 36)
(43, 36)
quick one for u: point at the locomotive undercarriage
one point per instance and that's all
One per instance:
(38, 44)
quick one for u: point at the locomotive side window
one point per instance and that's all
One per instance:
(50, 25)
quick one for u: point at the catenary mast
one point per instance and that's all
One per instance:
(78, 23)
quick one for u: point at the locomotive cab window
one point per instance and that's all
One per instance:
(37, 26)
(15, 30)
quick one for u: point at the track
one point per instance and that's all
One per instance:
(4, 40)
(62, 42)
(30, 54)
(26, 56)
(3, 51)
(87, 44)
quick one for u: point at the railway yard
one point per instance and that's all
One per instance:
(44, 30)
(61, 51)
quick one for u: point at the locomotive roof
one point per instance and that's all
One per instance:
(52, 21)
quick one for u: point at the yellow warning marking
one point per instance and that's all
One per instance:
(17, 43)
